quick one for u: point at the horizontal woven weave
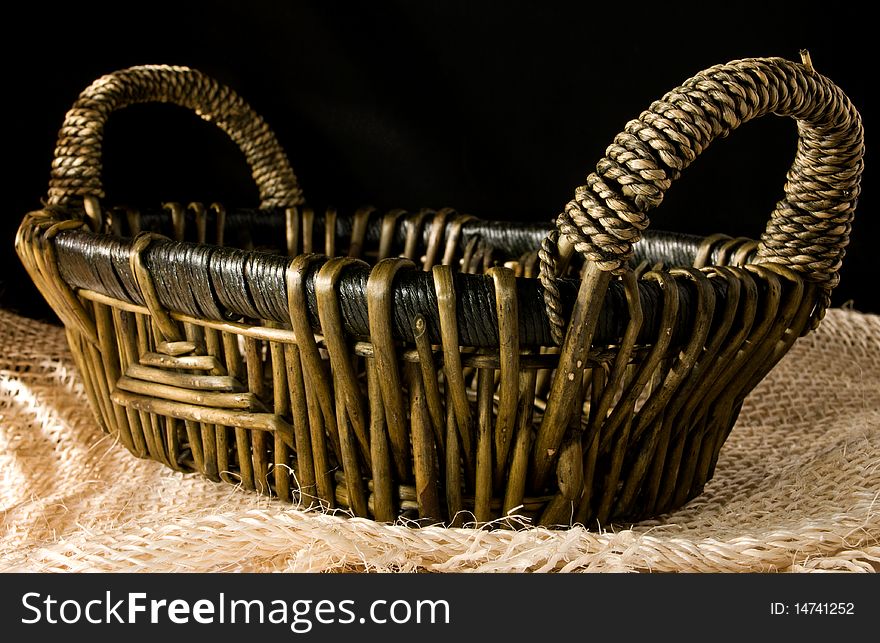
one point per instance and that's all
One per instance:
(797, 488)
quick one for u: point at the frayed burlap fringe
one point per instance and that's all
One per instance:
(797, 488)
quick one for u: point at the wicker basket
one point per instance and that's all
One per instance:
(467, 371)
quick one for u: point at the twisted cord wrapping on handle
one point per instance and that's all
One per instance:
(76, 169)
(809, 228)
(547, 255)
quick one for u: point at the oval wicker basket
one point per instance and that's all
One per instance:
(432, 365)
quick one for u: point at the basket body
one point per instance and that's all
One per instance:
(398, 364)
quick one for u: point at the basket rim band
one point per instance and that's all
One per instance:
(226, 283)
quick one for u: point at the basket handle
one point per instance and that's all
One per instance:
(810, 226)
(76, 168)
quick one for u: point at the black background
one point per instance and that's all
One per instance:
(498, 109)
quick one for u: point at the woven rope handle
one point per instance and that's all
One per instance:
(76, 169)
(810, 226)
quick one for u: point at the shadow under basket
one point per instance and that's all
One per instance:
(428, 364)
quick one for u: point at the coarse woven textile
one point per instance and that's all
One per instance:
(797, 488)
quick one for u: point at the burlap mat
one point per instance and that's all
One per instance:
(797, 488)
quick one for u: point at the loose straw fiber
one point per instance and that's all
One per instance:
(797, 488)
